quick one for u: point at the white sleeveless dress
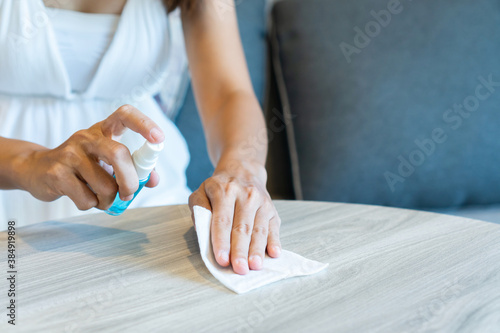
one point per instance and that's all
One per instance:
(38, 103)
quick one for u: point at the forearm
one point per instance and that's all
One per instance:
(11, 154)
(231, 115)
(245, 223)
(237, 136)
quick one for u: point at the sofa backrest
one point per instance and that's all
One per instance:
(391, 102)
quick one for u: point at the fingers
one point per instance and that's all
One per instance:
(87, 158)
(273, 238)
(118, 156)
(222, 222)
(79, 193)
(258, 243)
(198, 198)
(128, 116)
(100, 181)
(240, 237)
(244, 222)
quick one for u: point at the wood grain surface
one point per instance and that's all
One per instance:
(391, 270)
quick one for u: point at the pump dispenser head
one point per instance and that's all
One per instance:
(145, 158)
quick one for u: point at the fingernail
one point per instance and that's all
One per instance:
(157, 135)
(256, 261)
(128, 197)
(224, 256)
(240, 266)
(277, 250)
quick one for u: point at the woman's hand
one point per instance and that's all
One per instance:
(79, 168)
(244, 220)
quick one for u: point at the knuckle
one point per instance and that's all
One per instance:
(197, 198)
(119, 152)
(268, 202)
(223, 221)
(51, 193)
(105, 203)
(102, 206)
(143, 122)
(243, 229)
(231, 187)
(208, 183)
(268, 207)
(219, 242)
(110, 191)
(70, 156)
(194, 198)
(128, 189)
(276, 220)
(80, 135)
(252, 193)
(55, 173)
(213, 187)
(260, 230)
(86, 205)
(83, 138)
(125, 108)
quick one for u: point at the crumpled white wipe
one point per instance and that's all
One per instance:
(287, 265)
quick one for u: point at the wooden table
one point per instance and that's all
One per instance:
(391, 270)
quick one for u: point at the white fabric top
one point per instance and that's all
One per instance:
(82, 39)
(42, 101)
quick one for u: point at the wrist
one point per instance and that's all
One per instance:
(249, 170)
(21, 170)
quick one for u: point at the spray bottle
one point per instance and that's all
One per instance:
(144, 160)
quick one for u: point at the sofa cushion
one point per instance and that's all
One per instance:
(252, 27)
(391, 102)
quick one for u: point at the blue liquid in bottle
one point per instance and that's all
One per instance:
(119, 206)
(144, 160)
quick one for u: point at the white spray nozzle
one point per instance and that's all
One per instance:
(145, 158)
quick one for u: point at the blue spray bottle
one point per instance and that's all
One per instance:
(144, 160)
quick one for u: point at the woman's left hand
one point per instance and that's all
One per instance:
(245, 222)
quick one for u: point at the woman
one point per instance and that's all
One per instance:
(64, 65)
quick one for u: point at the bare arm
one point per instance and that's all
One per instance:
(70, 168)
(12, 153)
(245, 222)
(228, 107)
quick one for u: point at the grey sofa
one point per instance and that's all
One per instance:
(380, 102)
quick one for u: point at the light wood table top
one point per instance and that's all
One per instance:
(391, 270)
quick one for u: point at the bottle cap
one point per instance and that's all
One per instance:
(145, 158)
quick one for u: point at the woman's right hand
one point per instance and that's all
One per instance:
(74, 166)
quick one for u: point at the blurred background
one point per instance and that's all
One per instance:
(381, 102)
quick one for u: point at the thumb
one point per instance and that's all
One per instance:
(199, 198)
